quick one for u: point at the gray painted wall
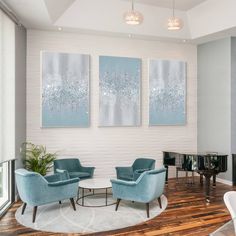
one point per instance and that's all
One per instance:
(214, 99)
(20, 90)
(217, 98)
(233, 95)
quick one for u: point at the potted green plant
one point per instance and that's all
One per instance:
(36, 158)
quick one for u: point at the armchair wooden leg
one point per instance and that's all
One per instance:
(147, 208)
(34, 213)
(159, 201)
(23, 208)
(73, 203)
(59, 202)
(117, 204)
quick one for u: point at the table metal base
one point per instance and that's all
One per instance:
(94, 194)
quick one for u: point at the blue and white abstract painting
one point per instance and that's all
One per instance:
(167, 92)
(65, 90)
(119, 82)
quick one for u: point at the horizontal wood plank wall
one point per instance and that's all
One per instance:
(108, 147)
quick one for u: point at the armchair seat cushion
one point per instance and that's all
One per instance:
(125, 176)
(79, 175)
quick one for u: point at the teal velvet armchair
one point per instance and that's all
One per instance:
(133, 172)
(72, 168)
(149, 186)
(36, 190)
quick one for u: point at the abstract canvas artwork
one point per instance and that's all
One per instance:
(65, 90)
(119, 83)
(167, 92)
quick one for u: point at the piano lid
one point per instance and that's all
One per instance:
(197, 153)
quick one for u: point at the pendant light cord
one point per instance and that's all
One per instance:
(173, 8)
(132, 5)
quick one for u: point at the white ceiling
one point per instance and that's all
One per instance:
(183, 5)
(203, 19)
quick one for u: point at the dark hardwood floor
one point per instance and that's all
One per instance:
(186, 214)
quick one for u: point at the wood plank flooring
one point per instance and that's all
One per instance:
(187, 214)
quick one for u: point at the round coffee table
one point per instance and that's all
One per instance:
(93, 185)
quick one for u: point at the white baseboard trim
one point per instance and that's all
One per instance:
(224, 181)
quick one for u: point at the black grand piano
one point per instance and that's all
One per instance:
(205, 164)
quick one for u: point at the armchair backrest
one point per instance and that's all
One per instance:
(152, 183)
(29, 185)
(69, 164)
(144, 163)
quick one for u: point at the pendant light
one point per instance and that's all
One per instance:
(174, 23)
(133, 17)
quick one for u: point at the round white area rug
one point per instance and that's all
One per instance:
(63, 219)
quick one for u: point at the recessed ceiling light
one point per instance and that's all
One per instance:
(59, 28)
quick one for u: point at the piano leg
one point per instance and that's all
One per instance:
(192, 177)
(177, 175)
(201, 179)
(167, 169)
(214, 181)
(208, 181)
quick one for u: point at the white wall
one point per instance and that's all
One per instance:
(106, 148)
(210, 17)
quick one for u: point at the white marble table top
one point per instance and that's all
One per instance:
(95, 183)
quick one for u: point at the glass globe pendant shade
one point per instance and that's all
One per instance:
(133, 17)
(174, 23)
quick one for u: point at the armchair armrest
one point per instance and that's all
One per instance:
(124, 170)
(53, 178)
(122, 189)
(138, 172)
(122, 182)
(64, 175)
(88, 169)
(64, 182)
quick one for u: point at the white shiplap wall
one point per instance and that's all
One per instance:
(108, 147)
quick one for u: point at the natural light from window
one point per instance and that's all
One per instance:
(4, 193)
